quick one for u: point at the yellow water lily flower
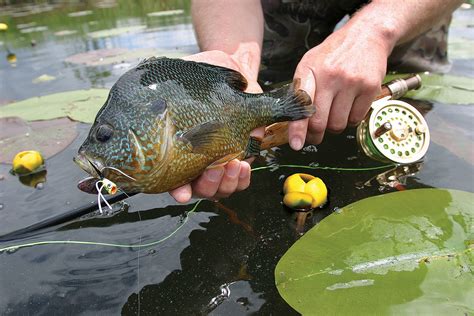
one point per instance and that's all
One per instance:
(27, 162)
(304, 191)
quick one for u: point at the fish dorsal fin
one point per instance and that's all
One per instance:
(233, 78)
(205, 137)
(149, 60)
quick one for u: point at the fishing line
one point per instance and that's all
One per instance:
(138, 265)
(119, 171)
(324, 167)
(93, 243)
(79, 242)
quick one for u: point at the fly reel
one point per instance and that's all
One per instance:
(394, 131)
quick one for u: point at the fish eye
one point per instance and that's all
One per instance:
(104, 132)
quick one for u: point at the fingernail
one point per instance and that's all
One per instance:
(215, 174)
(245, 168)
(296, 143)
(232, 169)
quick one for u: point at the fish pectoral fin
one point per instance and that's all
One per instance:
(225, 159)
(233, 78)
(253, 147)
(205, 137)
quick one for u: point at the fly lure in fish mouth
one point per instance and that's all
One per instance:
(101, 183)
(110, 188)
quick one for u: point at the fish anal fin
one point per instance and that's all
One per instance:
(253, 147)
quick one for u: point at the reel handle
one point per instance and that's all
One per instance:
(277, 134)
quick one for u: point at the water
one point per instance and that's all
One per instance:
(221, 259)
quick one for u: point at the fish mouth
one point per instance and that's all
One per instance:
(91, 166)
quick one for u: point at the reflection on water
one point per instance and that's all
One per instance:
(222, 260)
(58, 35)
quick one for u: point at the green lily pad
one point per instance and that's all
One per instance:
(441, 88)
(460, 48)
(43, 78)
(47, 137)
(165, 13)
(109, 56)
(117, 31)
(34, 29)
(79, 13)
(65, 32)
(402, 253)
(78, 105)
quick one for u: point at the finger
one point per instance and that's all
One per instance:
(340, 109)
(244, 176)
(360, 108)
(182, 194)
(297, 129)
(253, 87)
(318, 122)
(297, 133)
(208, 183)
(230, 179)
(214, 57)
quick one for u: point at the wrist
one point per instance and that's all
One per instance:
(380, 29)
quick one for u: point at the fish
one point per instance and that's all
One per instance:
(167, 120)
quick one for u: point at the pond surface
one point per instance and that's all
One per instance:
(218, 259)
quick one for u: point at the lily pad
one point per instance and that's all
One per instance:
(65, 33)
(460, 48)
(109, 56)
(117, 31)
(78, 105)
(441, 88)
(401, 253)
(79, 13)
(34, 29)
(25, 25)
(43, 78)
(47, 137)
(165, 13)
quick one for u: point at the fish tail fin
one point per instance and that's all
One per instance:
(292, 103)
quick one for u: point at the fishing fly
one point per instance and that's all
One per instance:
(110, 188)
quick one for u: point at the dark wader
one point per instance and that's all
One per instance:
(292, 27)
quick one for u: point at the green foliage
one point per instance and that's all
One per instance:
(401, 253)
(79, 105)
(441, 88)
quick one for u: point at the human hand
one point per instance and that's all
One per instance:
(343, 75)
(221, 181)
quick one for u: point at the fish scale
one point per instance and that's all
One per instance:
(167, 120)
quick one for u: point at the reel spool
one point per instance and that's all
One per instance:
(394, 131)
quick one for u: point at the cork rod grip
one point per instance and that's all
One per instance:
(277, 134)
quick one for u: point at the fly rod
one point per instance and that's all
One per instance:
(275, 135)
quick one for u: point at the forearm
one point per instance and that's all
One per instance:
(395, 22)
(234, 27)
